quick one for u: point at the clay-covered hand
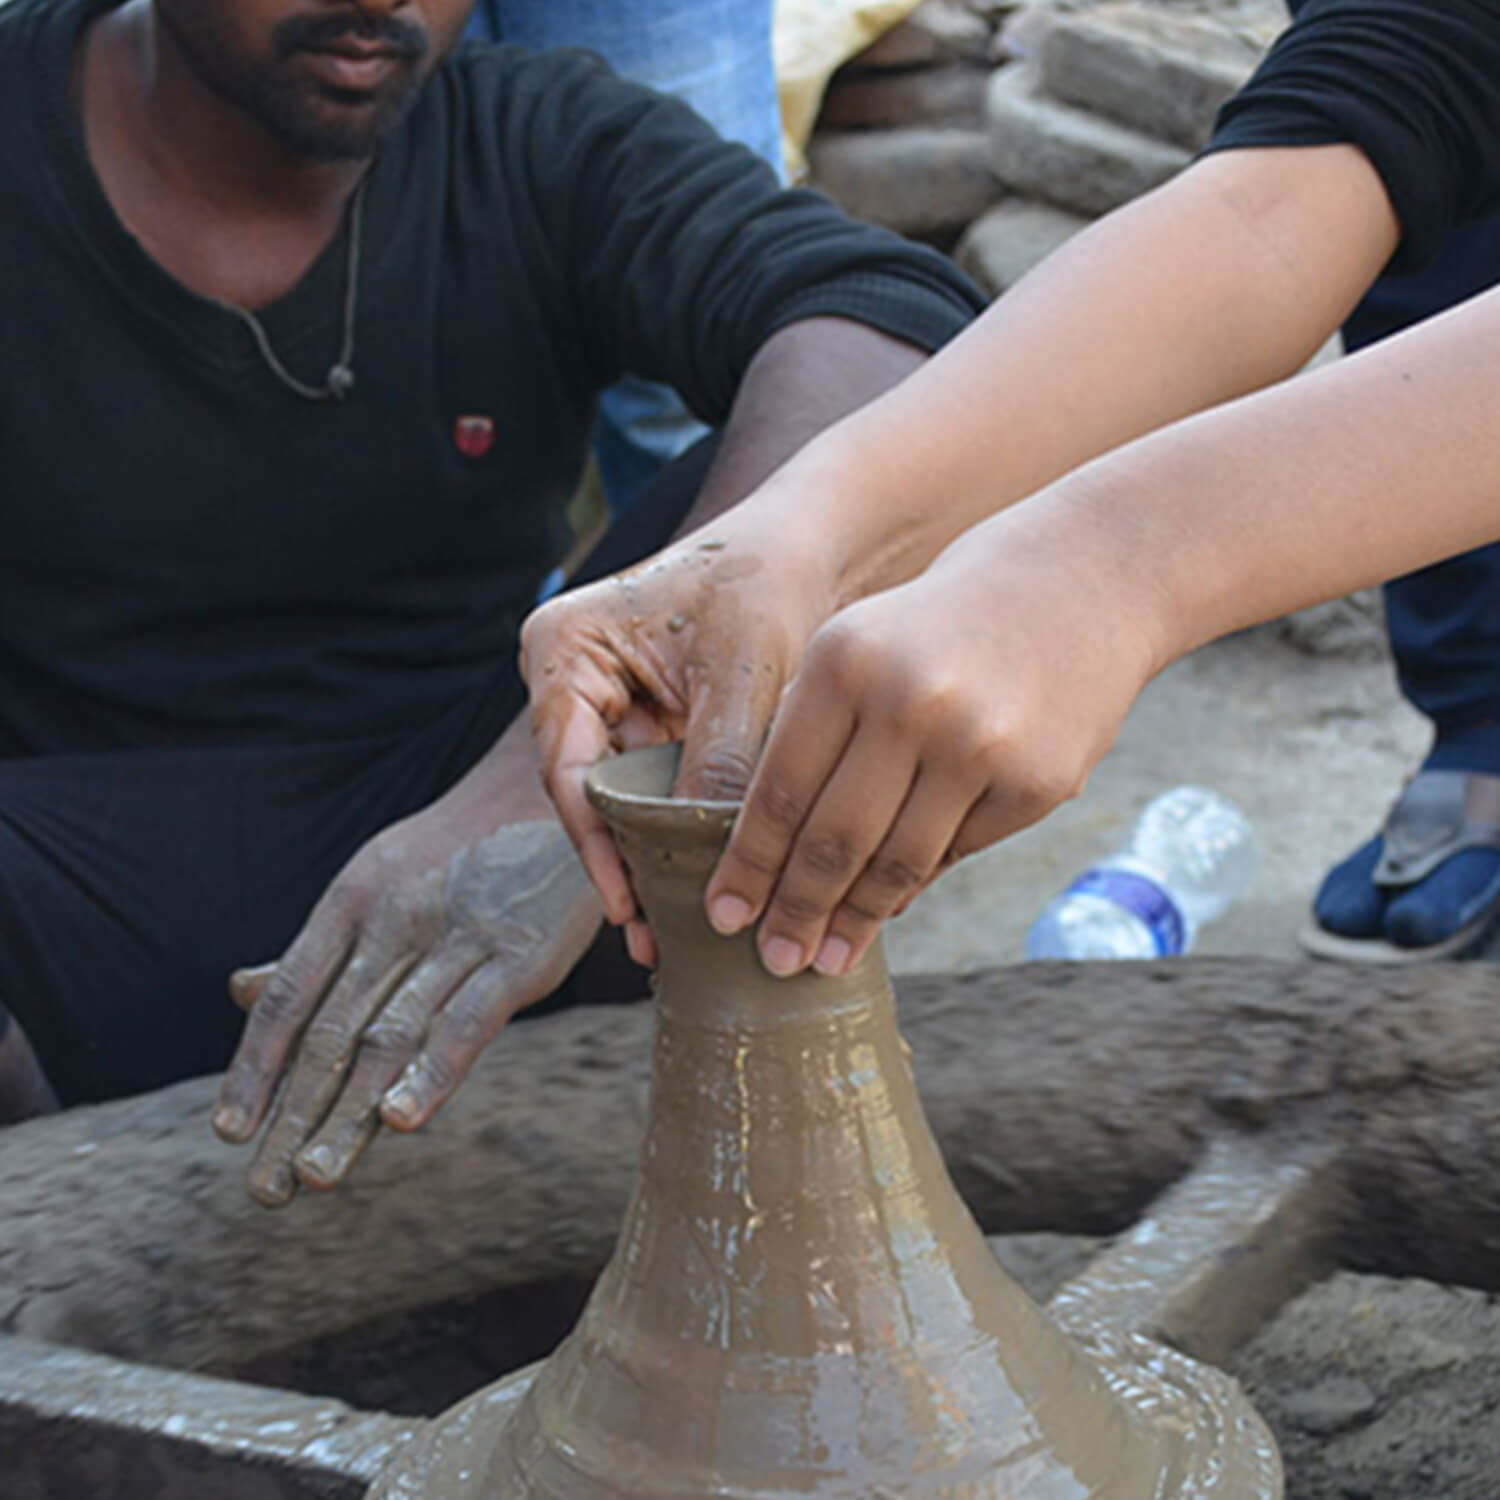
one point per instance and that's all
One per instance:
(695, 644)
(924, 723)
(417, 956)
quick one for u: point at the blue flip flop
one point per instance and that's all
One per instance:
(1427, 887)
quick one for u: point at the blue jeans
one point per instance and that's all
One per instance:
(714, 55)
(1445, 620)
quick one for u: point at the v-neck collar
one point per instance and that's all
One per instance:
(303, 325)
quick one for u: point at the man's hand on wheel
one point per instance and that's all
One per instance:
(417, 956)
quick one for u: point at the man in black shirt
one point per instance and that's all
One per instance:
(304, 322)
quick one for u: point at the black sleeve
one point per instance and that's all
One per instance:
(680, 253)
(1415, 84)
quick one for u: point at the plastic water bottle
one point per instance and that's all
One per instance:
(1191, 854)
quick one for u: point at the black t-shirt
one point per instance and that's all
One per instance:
(1415, 84)
(190, 553)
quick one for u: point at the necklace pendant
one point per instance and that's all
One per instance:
(340, 381)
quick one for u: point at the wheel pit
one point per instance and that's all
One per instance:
(201, 1346)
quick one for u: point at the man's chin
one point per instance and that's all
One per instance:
(335, 125)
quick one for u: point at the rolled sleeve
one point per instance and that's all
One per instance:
(1415, 86)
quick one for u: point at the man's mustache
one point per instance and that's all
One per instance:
(317, 33)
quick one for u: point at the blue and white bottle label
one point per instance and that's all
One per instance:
(1143, 899)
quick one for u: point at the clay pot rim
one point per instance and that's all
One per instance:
(633, 790)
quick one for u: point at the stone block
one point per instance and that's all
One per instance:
(860, 99)
(1352, 628)
(1156, 72)
(938, 31)
(917, 181)
(1002, 246)
(1061, 155)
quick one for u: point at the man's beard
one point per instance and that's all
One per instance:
(310, 119)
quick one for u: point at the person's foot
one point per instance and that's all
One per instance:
(1427, 886)
(24, 1090)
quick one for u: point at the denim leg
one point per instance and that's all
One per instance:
(1444, 624)
(715, 55)
(1445, 620)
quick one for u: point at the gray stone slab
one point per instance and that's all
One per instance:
(952, 95)
(1004, 244)
(76, 1425)
(915, 181)
(938, 31)
(1061, 155)
(1155, 72)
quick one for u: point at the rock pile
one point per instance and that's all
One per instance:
(998, 130)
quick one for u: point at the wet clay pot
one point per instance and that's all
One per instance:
(799, 1303)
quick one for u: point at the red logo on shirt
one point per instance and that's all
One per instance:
(474, 436)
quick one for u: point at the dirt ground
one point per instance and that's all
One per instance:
(1377, 1390)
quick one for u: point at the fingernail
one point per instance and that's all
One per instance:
(320, 1163)
(730, 914)
(400, 1104)
(231, 1123)
(782, 957)
(276, 1189)
(833, 957)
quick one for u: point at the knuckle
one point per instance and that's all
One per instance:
(1034, 787)
(723, 774)
(840, 657)
(397, 1037)
(440, 1076)
(780, 808)
(280, 1003)
(355, 888)
(935, 709)
(828, 856)
(863, 910)
(535, 629)
(891, 874)
(464, 1035)
(978, 740)
(327, 1042)
(799, 908)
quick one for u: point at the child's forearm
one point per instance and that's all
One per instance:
(1381, 464)
(1225, 280)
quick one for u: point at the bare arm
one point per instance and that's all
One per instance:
(936, 718)
(1223, 281)
(804, 379)
(1383, 463)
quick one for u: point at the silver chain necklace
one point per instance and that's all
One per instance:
(340, 378)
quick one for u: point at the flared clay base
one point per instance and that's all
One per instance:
(800, 1305)
(1221, 1448)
